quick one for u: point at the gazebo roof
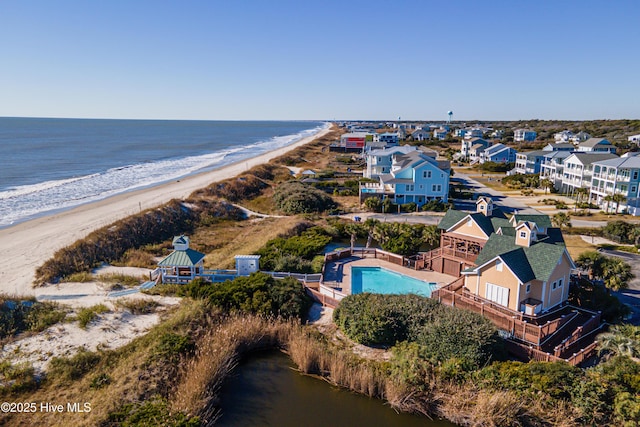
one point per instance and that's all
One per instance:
(186, 258)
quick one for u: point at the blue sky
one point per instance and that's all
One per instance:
(218, 60)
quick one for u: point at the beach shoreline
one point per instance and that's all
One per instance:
(27, 245)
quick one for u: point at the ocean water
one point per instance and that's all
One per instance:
(47, 165)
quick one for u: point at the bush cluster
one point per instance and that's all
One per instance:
(27, 315)
(436, 206)
(297, 198)
(256, 294)
(441, 332)
(519, 181)
(296, 253)
(496, 166)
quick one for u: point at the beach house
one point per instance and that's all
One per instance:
(440, 133)
(498, 153)
(515, 272)
(379, 161)
(552, 167)
(415, 176)
(522, 135)
(578, 170)
(529, 162)
(616, 176)
(596, 145)
(467, 143)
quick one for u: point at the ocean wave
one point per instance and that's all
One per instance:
(20, 203)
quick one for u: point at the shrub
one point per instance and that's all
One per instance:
(153, 412)
(81, 277)
(18, 378)
(459, 334)
(73, 368)
(87, 314)
(436, 206)
(296, 198)
(110, 243)
(138, 305)
(557, 379)
(441, 332)
(294, 253)
(496, 166)
(171, 347)
(258, 294)
(19, 316)
(373, 204)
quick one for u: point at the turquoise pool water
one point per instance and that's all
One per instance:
(382, 281)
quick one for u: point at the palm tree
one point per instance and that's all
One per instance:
(561, 220)
(547, 184)
(431, 235)
(616, 273)
(621, 340)
(370, 224)
(608, 198)
(581, 193)
(353, 230)
(617, 199)
(592, 262)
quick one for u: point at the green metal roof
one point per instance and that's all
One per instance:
(186, 258)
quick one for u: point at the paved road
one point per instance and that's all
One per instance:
(631, 296)
(508, 204)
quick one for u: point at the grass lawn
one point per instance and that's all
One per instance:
(576, 246)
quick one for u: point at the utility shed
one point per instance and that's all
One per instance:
(247, 264)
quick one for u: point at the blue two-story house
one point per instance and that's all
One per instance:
(414, 177)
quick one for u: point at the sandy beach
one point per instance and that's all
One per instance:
(27, 245)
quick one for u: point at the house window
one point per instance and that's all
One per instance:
(633, 189)
(409, 187)
(433, 187)
(523, 234)
(528, 287)
(560, 283)
(635, 175)
(554, 285)
(421, 186)
(499, 265)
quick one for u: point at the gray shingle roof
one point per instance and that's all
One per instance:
(592, 142)
(541, 220)
(535, 262)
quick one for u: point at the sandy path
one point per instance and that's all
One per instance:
(25, 246)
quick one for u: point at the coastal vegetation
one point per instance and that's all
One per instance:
(297, 198)
(19, 314)
(441, 362)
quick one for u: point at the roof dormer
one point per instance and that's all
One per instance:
(526, 233)
(484, 205)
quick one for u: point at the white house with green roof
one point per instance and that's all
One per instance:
(183, 264)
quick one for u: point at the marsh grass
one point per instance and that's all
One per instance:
(120, 279)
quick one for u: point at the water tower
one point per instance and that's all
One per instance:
(450, 114)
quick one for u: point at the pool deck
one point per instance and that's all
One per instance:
(338, 273)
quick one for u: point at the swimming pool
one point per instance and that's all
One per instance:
(379, 280)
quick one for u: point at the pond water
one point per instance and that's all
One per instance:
(266, 391)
